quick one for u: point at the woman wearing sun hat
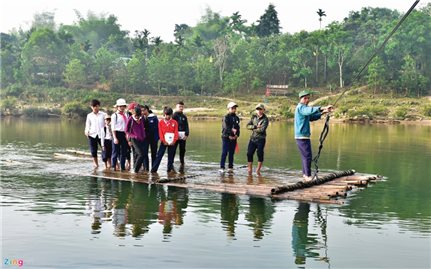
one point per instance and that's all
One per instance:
(118, 125)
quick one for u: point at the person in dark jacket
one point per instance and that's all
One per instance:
(151, 124)
(183, 132)
(230, 134)
(257, 124)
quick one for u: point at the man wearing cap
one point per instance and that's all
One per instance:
(118, 126)
(257, 124)
(303, 115)
(230, 134)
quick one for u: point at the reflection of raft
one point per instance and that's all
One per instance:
(332, 188)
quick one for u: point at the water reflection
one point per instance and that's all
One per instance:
(305, 244)
(133, 208)
(172, 209)
(259, 215)
(229, 212)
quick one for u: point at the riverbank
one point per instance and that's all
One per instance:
(356, 105)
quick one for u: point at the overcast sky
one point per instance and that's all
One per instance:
(160, 16)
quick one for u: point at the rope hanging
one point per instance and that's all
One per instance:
(325, 130)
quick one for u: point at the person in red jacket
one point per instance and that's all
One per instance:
(168, 133)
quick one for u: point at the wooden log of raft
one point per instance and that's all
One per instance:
(318, 181)
(79, 152)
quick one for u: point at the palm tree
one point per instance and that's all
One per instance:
(321, 13)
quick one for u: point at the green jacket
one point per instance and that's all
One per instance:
(258, 133)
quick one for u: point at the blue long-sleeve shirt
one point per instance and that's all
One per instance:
(303, 115)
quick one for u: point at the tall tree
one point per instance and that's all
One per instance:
(237, 24)
(268, 24)
(221, 51)
(321, 14)
(376, 73)
(411, 80)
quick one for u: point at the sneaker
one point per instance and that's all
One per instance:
(307, 178)
(221, 171)
(172, 171)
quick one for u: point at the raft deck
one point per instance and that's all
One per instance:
(334, 191)
(333, 187)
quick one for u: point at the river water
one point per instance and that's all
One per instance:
(53, 219)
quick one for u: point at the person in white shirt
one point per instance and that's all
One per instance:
(94, 129)
(107, 142)
(118, 126)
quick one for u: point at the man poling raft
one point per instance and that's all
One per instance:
(314, 180)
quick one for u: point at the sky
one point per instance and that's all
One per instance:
(160, 16)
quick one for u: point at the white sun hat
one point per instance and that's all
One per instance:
(231, 104)
(120, 102)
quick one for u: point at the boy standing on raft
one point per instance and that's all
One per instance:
(258, 124)
(230, 134)
(94, 125)
(183, 132)
(303, 115)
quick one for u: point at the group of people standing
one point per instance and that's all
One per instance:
(134, 128)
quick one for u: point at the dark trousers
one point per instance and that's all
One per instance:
(304, 146)
(160, 153)
(93, 142)
(120, 150)
(107, 153)
(254, 145)
(140, 150)
(182, 144)
(153, 147)
(228, 147)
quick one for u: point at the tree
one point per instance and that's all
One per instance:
(10, 59)
(411, 80)
(74, 74)
(268, 24)
(103, 64)
(181, 31)
(99, 31)
(321, 14)
(221, 52)
(44, 20)
(44, 57)
(237, 24)
(234, 80)
(376, 73)
(340, 48)
(137, 72)
(206, 74)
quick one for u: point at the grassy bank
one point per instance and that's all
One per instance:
(356, 104)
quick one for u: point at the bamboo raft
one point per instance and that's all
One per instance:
(332, 191)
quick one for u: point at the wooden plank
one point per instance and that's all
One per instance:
(332, 192)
